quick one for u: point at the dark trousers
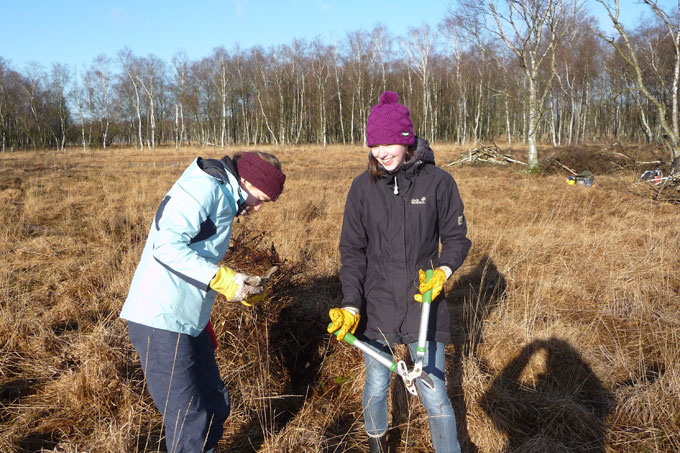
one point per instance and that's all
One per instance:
(184, 381)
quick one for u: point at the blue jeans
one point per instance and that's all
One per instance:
(437, 403)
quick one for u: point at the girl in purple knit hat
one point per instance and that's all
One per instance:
(396, 215)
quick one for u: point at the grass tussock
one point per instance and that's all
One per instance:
(565, 319)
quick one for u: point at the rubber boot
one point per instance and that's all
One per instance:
(377, 444)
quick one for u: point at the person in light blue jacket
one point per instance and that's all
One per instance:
(175, 284)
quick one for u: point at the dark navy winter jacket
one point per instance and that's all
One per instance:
(386, 238)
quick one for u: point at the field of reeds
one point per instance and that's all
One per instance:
(565, 314)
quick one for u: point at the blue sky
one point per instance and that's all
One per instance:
(76, 31)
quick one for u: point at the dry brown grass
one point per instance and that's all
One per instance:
(565, 313)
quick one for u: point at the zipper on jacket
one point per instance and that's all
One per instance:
(396, 186)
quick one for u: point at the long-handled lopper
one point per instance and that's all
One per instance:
(399, 367)
(417, 371)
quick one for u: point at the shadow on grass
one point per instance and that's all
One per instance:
(548, 399)
(472, 299)
(295, 334)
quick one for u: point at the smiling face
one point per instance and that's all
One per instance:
(256, 198)
(390, 156)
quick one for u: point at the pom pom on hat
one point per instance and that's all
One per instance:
(389, 123)
(389, 97)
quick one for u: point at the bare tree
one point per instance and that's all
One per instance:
(3, 105)
(261, 84)
(14, 111)
(454, 42)
(630, 54)
(221, 76)
(131, 68)
(321, 71)
(338, 87)
(357, 48)
(296, 75)
(60, 77)
(97, 82)
(420, 46)
(242, 69)
(150, 77)
(34, 95)
(382, 49)
(79, 95)
(531, 30)
(180, 63)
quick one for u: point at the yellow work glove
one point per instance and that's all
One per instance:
(436, 283)
(344, 320)
(235, 286)
(255, 299)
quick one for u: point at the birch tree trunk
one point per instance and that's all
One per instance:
(131, 67)
(508, 132)
(223, 96)
(301, 108)
(151, 143)
(532, 159)
(264, 115)
(626, 50)
(644, 122)
(339, 94)
(139, 114)
(176, 132)
(553, 115)
(478, 109)
(419, 48)
(351, 130)
(78, 95)
(30, 92)
(584, 111)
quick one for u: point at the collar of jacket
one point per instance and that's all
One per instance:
(407, 168)
(403, 175)
(422, 154)
(218, 169)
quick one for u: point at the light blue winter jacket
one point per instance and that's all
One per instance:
(188, 237)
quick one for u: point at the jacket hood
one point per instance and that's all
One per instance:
(423, 155)
(220, 170)
(217, 168)
(423, 152)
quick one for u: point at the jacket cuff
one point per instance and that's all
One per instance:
(447, 270)
(349, 308)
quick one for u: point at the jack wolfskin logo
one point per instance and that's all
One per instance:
(405, 134)
(461, 219)
(418, 200)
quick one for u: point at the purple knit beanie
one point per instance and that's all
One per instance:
(389, 122)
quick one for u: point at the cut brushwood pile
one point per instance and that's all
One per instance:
(606, 160)
(486, 154)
